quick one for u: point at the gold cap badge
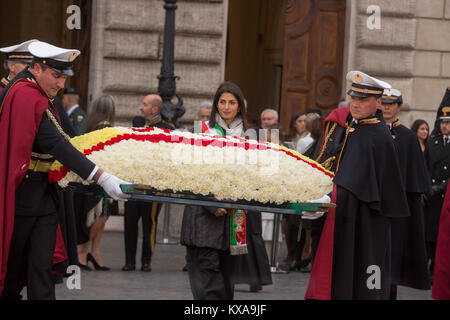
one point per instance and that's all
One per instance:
(358, 78)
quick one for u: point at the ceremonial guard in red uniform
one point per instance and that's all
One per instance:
(31, 138)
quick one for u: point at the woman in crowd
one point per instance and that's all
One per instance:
(92, 213)
(205, 231)
(297, 128)
(421, 129)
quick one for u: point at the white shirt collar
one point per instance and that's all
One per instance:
(72, 109)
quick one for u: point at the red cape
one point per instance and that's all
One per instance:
(18, 128)
(441, 278)
(319, 286)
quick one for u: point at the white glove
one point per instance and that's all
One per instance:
(111, 185)
(324, 199)
(308, 215)
(316, 215)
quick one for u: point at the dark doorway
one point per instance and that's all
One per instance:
(255, 52)
(45, 20)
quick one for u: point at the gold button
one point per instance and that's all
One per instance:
(27, 176)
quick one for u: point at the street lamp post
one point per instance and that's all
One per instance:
(167, 86)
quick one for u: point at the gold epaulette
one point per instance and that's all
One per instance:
(31, 80)
(4, 81)
(369, 121)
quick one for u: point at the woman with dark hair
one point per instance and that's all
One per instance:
(297, 128)
(421, 129)
(205, 231)
(91, 212)
(229, 110)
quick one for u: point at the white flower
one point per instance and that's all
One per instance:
(222, 169)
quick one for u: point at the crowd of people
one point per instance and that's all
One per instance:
(390, 185)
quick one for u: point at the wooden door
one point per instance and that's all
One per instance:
(313, 56)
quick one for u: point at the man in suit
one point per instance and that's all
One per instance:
(77, 116)
(150, 117)
(29, 244)
(437, 155)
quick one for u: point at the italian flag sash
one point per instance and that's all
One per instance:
(238, 226)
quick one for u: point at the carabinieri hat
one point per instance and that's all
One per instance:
(392, 96)
(444, 114)
(58, 59)
(19, 52)
(364, 85)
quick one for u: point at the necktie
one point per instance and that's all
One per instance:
(446, 140)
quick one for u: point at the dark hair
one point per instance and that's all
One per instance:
(292, 130)
(316, 128)
(102, 113)
(35, 61)
(416, 125)
(229, 87)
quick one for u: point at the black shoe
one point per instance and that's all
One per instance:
(185, 268)
(129, 267)
(91, 258)
(84, 267)
(146, 268)
(306, 269)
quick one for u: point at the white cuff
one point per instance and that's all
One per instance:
(92, 173)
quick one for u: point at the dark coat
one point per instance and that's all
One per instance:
(201, 228)
(368, 192)
(437, 157)
(409, 256)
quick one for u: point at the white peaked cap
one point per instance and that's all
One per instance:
(365, 79)
(45, 50)
(22, 47)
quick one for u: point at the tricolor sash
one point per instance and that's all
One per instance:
(238, 225)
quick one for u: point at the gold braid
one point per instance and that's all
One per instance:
(327, 138)
(56, 123)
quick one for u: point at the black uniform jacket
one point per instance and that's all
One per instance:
(409, 257)
(437, 156)
(35, 187)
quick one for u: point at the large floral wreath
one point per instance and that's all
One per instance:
(224, 167)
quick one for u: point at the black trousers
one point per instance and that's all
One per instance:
(149, 212)
(210, 273)
(31, 256)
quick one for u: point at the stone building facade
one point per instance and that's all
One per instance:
(411, 50)
(126, 51)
